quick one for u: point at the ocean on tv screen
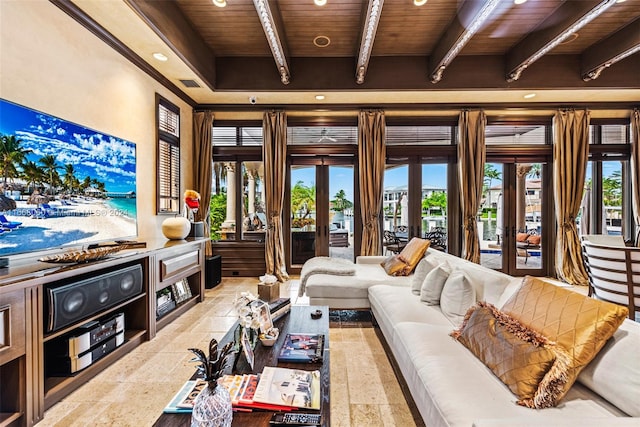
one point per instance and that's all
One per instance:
(67, 185)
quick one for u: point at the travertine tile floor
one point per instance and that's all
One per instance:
(134, 390)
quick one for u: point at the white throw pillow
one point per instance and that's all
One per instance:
(457, 296)
(615, 372)
(423, 268)
(433, 283)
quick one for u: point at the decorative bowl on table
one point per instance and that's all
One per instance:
(82, 256)
(269, 338)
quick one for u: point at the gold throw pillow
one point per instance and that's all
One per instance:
(414, 252)
(529, 364)
(577, 323)
(394, 266)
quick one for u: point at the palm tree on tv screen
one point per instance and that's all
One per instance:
(50, 167)
(70, 182)
(12, 155)
(33, 174)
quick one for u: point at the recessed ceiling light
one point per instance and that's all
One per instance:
(529, 95)
(621, 1)
(321, 41)
(419, 2)
(220, 3)
(160, 56)
(320, 2)
(319, 97)
(519, 1)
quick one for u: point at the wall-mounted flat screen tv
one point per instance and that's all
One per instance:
(62, 184)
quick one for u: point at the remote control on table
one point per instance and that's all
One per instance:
(296, 419)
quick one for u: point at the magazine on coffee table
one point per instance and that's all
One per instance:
(289, 387)
(303, 348)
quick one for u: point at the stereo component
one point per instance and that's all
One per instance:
(72, 302)
(86, 336)
(66, 366)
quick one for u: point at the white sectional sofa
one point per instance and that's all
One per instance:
(449, 385)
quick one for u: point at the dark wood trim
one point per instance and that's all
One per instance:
(326, 74)
(92, 26)
(169, 23)
(427, 107)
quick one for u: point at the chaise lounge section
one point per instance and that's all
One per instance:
(452, 387)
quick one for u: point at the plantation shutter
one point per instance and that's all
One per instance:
(168, 158)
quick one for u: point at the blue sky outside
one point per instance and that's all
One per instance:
(103, 157)
(342, 177)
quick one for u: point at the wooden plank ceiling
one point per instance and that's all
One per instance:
(409, 46)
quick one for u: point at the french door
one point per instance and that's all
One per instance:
(514, 221)
(415, 201)
(321, 210)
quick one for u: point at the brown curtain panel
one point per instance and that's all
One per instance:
(570, 153)
(471, 159)
(635, 170)
(274, 155)
(371, 163)
(202, 169)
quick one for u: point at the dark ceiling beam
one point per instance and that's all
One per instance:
(368, 37)
(467, 22)
(167, 20)
(611, 50)
(569, 18)
(409, 73)
(271, 20)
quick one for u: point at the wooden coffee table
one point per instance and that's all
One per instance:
(297, 321)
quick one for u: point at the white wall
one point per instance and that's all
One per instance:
(50, 63)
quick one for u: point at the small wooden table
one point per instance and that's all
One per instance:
(297, 321)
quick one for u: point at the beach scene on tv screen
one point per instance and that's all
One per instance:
(62, 183)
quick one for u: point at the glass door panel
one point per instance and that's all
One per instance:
(341, 205)
(303, 213)
(395, 208)
(511, 218)
(433, 205)
(528, 216)
(491, 224)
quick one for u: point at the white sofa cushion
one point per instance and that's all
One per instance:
(433, 283)
(615, 372)
(452, 388)
(457, 296)
(392, 305)
(423, 268)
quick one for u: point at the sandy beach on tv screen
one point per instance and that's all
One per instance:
(59, 223)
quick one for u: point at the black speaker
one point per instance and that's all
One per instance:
(66, 304)
(212, 271)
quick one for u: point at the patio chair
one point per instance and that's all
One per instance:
(438, 238)
(614, 274)
(526, 242)
(392, 243)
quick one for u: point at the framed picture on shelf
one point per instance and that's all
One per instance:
(181, 291)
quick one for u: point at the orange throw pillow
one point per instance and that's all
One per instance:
(394, 266)
(414, 252)
(522, 237)
(534, 240)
